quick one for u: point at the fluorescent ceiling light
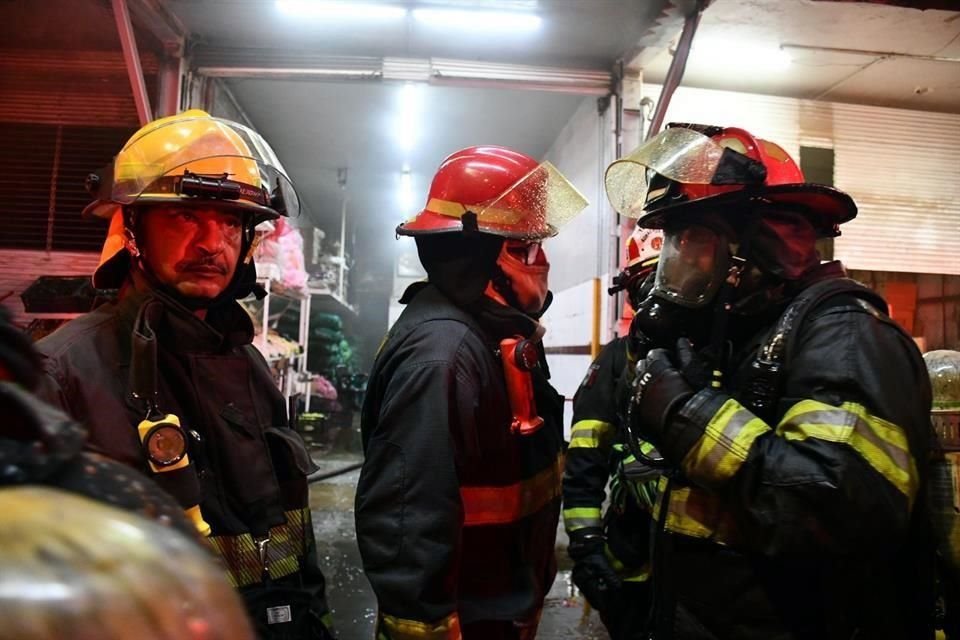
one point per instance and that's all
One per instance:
(736, 56)
(497, 21)
(341, 10)
(411, 95)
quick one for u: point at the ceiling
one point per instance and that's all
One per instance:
(814, 73)
(319, 126)
(577, 33)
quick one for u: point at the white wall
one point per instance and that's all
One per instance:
(581, 251)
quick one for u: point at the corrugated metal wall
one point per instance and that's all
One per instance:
(63, 114)
(902, 167)
(70, 87)
(42, 171)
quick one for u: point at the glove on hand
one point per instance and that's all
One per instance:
(696, 369)
(592, 572)
(659, 389)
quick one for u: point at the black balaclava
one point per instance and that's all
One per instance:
(460, 265)
(782, 243)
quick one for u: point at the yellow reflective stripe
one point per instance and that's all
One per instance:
(484, 213)
(627, 574)
(506, 504)
(642, 575)
(646, 448)
(394, 628)
(591, 434)
(882, 444)
(242, 559)
(719, 453)
(697, 513)
(581, 518)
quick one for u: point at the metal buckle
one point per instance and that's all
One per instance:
(263, 548)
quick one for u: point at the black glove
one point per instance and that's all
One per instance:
(592, 572)
(659, 389)
(696, 369)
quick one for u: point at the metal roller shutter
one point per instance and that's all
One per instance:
(42, 171)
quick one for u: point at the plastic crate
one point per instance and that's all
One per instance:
(59, 294)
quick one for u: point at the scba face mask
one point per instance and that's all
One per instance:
(525, 266)
(693, 264)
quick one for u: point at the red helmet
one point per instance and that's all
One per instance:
(688, 166)
(509, 194)
(643, 254)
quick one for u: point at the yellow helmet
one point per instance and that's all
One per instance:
(193, 156)
(71, 567)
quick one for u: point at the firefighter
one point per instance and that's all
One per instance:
(166, 379)
(797, 424)
(459, 497)
(610, 553)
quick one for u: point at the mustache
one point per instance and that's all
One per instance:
(204, 263)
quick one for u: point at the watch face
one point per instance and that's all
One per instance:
(526, 355)
(165, 444)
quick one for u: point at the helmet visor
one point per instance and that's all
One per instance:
(693, 263)
(206, 158)
(535, 207)
(679, 154)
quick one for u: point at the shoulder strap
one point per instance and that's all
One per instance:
(761, 390)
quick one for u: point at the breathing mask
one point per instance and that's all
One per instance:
(693, 264)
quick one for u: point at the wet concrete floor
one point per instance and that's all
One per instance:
(349, 593)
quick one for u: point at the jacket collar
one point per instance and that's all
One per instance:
(226, 326)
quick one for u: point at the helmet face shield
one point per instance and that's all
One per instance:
(693, 264)
(944, 369)
(498, 191)
(535, 207)
(200, 157)
(682, 155)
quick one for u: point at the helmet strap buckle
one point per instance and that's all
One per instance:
(469, 222)
(130, 243)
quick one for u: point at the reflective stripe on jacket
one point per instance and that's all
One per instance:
(811, 516)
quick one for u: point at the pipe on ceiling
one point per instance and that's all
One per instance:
(128, 43)
(677, 67)
(874, 54)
